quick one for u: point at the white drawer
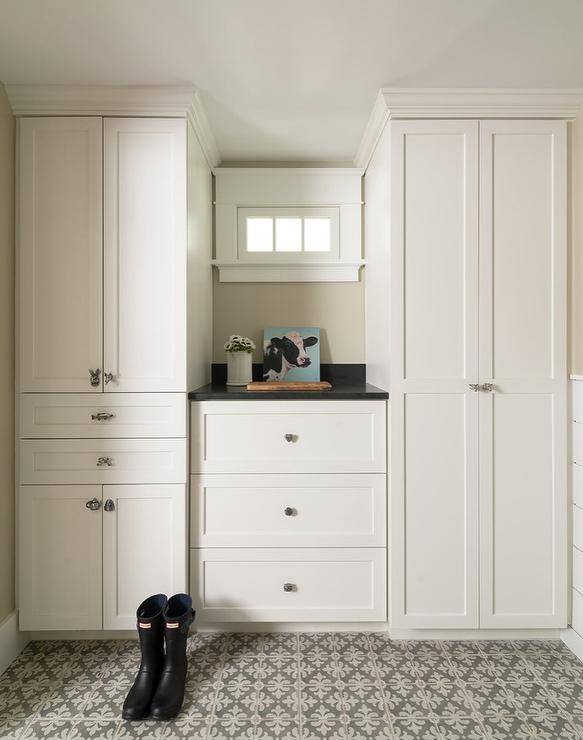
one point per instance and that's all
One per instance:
(578, 569)
(577, 619)
(288, 510)
(578, 527)
(288, 437)
(78, 461)
(325, 585)
(577, 484)
(87, 415)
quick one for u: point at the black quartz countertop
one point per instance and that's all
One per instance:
(338, 392)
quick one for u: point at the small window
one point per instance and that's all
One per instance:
(292, 234)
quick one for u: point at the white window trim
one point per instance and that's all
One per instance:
(295, 258)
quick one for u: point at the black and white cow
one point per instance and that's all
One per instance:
(282, 354)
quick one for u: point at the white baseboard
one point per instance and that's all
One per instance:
(12, 641)
(573, 641)
(291, 627)
(484, 634)
(83, 635)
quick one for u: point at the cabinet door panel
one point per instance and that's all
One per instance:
(523, 422)
(144, 548)
(434, 350)
(60, 558)
(145, 254)
(60, 253)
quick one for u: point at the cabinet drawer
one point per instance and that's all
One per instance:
(578, 527)
(577, 619)
(295, 585)
(86, 461)
(288, 436)
(577, 429)
(288, 510)
(577, 484)
(105, 415)
(578, 569)
(577, 400)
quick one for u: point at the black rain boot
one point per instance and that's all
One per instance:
(169, 695)
(151, 633)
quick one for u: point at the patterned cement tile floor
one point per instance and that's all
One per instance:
(348, 686)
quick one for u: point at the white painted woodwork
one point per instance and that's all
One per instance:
(250, 437)
(77, 461)
(59, 558)
(578, 569)
(577, 401)
(144, 314)
(577, 483)
(328, 510)
(578, 527)
(577, 618)
(144, 548)
(434, 414)
(67, 415)
(577, 442)
(523, 423)
(328, 584)
(60, 253)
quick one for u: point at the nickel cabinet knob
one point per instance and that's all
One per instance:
(94, 377)
(289, 587)
(104, 462)
(102, 416)
(93, 505)
(288, 511)
(109, 505)
(108, 377)
(291, 437)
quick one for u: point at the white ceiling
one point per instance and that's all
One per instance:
(292, 80)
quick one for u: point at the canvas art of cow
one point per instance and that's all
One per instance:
(286, 353)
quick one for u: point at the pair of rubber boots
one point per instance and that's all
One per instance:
(158, 691)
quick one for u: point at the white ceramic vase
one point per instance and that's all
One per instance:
(239, 370)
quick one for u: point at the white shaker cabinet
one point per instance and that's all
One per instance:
(478, 374)
(102, 255)
(60, 557)
(60, 254)
(144, 255)
(144, 548)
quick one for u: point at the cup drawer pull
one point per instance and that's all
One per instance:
(102, 416)
(104, 462)
(289, 587)
(291, 437)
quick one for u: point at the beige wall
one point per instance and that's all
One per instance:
(337, 308)
(577, 247)
(6, 356)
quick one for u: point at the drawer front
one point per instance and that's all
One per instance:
(578, 569)
(577, 428)
(290, 585)
(578, 484)
(578, 527)
(288, 510)
(103, 461)
(106, 415)
(288, 437)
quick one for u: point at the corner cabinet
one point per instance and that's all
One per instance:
(102, 214)
(478, 374)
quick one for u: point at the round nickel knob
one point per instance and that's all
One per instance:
(288, 511)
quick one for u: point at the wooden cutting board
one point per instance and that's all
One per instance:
(282, 385)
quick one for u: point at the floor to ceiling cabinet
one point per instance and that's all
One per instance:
(478, 374)
(103, 261)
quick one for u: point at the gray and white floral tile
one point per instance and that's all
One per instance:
(307, 686)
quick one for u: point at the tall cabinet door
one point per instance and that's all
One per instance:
(434, 351)
(144, 548)
(145, 255)
(60, 557)
(523, 424)
(60, 253)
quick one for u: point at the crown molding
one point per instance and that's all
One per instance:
(170, 101)
(415, 103)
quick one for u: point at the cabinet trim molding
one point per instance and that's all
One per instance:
(172, 101)
(394, 103)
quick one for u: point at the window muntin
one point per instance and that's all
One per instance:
(288, 234)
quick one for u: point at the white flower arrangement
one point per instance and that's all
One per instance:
(237, 343)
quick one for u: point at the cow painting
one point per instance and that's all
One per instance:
(287, 354)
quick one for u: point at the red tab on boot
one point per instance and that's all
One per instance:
(145, 625)
(172, 625)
